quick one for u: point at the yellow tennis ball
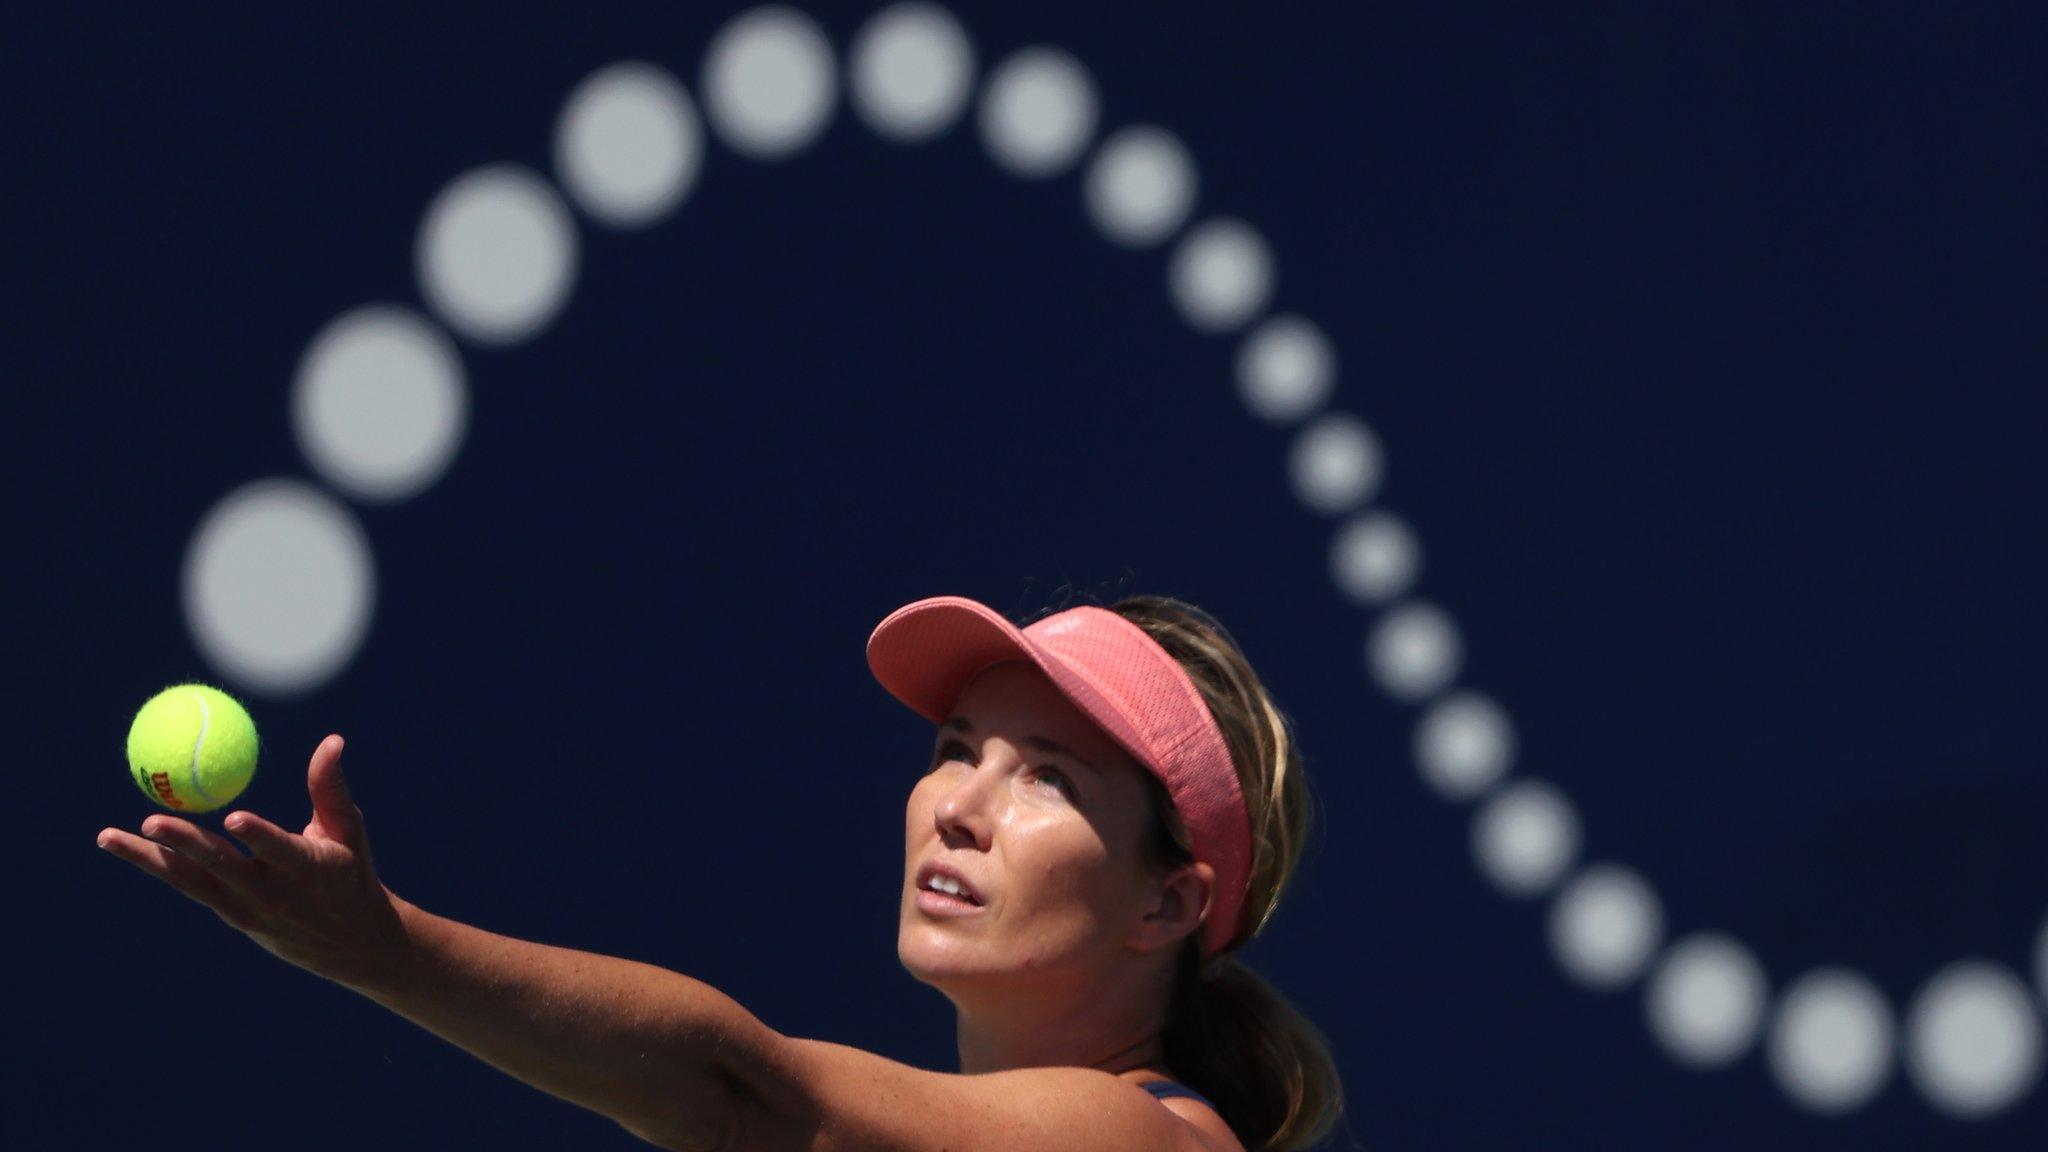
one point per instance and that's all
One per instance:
(192, 747)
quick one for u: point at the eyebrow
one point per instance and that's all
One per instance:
(1042, 743)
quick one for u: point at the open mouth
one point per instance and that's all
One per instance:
(934, 895)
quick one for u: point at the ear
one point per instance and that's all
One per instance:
(1177, 909)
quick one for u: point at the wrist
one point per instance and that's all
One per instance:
(398, 964)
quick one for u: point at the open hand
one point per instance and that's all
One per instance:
(312, 899)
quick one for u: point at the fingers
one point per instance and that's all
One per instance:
(200, 885)
(270, 844)
(334, 813)
(209, 850)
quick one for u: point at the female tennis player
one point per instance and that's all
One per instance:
(1114, 804)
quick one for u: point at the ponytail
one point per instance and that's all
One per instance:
(1230, 1034)
(1235, 1039)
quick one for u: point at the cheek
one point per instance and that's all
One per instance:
(1060, 861)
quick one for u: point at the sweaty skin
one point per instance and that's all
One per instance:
(1070, 961)
(1064, 971)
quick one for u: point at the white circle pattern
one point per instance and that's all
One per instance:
(1038, 112)
(770, 83)
(1831, 1041)
(496, 256)
(1140, 186)
(1605, 926)
(379, 403)
(1375, 558)
(278, 586)
(497, 253)
(627, 145)
(1221, 275)
(1526, 837)
(1286, 369)
(1464, 745)
(912, 72)
(1973, 1044)
(1414, 651)
(1336, 463)
(1706, 1000)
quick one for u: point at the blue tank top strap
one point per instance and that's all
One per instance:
(1164, 1088)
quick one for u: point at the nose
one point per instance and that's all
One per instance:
(962, 814)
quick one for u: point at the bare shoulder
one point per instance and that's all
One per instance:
(1215, 1134)
(815, 1096)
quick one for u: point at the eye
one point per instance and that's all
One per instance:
(1066, 785)
(951, 750)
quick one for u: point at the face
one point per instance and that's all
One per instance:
(1047, 818)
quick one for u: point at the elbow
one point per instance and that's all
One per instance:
(738, 1104)
(707, 1121)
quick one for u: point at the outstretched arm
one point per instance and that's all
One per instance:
(647, 1047)
(668, 1058)
(642, 1045)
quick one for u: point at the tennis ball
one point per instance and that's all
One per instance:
(192, 747)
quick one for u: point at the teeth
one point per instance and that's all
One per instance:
(949, 886)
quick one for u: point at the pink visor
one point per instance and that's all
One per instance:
(926, 653)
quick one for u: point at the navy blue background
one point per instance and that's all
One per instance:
(1705, 346)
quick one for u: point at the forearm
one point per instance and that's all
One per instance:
(645, 1046)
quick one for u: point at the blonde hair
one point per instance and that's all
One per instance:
(1231, 1035)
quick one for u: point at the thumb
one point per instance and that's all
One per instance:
(333, 809)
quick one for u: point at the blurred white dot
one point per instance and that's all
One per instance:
(1221, 275)
(496, 254)
(1830, 1045)
(1336, 463)
(770, 83)
(1375, 558)
(278, 586)
(1038, 112)
(1526, 837)
(1286, 369)
(627, 144)
(1706, 1000)
(1140, 186)
(379, 404)
(912, 69)
(1973, 1041)
(1414, 651)
(1605, 926)
(1464, 745)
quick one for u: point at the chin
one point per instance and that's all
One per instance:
(927, 954)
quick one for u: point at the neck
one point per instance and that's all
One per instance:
(1107, 1027)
